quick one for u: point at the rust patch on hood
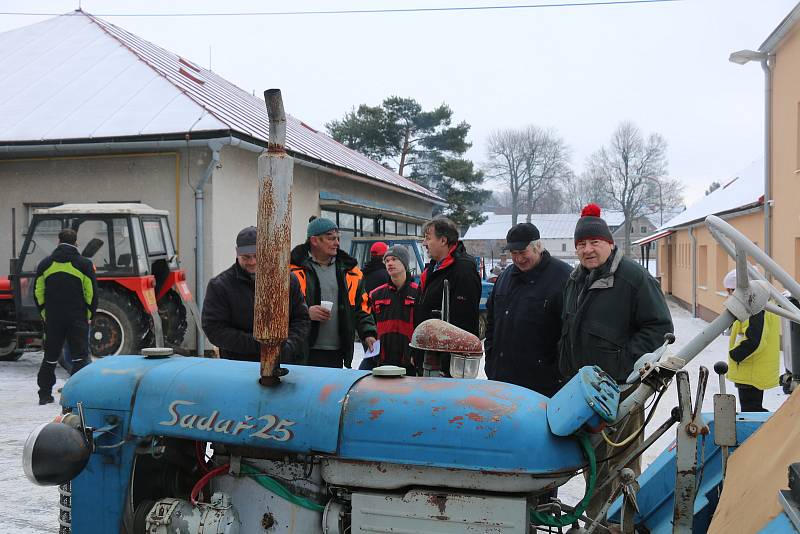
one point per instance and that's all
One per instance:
(374, 414)
(326, 392)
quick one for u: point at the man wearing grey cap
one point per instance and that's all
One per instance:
(229, 305)
(392, 305)
(524, 315)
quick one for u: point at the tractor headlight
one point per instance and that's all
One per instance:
(54, 454)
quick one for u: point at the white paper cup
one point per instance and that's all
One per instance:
(328, 305)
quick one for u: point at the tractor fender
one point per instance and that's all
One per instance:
(144, 288)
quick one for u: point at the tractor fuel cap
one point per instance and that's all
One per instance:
(388, 371)
(155, 353)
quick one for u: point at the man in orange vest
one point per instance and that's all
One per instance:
(334, 289)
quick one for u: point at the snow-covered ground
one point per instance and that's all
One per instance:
(28, 509)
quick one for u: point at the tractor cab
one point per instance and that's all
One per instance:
(142, 296)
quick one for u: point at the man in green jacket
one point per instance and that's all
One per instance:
(613, 313)
(333, 286)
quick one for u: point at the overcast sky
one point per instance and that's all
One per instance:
(580, 70)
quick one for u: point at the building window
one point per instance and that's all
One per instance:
(643, 229)
(401, 228)
(390, 227)
(563, 247)
(31, 206)
(702, 266)
(722, 267)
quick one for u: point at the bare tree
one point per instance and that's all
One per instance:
(530, 163)
(579, 190)
(546, 162)
(625, 170)
(506, 164)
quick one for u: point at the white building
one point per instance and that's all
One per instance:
(92, 113)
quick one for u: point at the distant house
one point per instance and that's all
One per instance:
(93, 113)
(691, 264)
(557, 230)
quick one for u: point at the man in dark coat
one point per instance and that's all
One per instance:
(334, 289)
(449, 261)
(66, 294)
(524, 315)
(614, 312)
(229, 307)
(374, 270)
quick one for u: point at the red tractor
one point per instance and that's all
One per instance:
(143, 296)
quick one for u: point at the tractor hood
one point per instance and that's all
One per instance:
(475, 425)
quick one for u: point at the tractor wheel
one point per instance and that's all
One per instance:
(173, 318)
(118, 327)
(8, 338)
(482, 320)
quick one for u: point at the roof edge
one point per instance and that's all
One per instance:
(741, 210)
(772, 42)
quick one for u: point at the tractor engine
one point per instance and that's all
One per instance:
(168, 444)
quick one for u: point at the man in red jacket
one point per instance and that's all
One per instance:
(450, 262)
(392, 305)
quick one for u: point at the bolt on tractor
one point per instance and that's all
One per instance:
(143, 296)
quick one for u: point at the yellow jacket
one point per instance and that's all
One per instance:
(754, 351)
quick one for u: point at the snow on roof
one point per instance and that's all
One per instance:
(113, 208)
(744, 190)
(76, 77)
(550, 225)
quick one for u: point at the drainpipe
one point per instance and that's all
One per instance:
(215, 145)
(693, 239)
(765, 65)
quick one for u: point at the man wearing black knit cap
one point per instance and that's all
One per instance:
(614, 312)
(524, 315)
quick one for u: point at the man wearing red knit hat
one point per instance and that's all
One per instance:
(613, 313)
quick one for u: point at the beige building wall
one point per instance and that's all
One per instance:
(785, 154)
(675, 264)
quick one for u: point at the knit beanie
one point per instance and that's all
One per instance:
(319, 226)
(591, 226)
(400, 252)
(730, 280)
(378, 249)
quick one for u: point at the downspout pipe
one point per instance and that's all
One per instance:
(766, 66)
(693, 239)
(215, 146)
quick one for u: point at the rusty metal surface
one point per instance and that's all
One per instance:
(273, 242)
(437, 335)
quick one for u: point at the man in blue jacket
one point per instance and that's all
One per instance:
(524, 315)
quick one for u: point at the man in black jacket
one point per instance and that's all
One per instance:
(449, 261)
(66, 294)
(374, 270)
(524, 315)
(229, 307)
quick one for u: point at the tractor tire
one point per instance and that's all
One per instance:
(8, 338)
(118, 327)
(482, 320)
(173, 318)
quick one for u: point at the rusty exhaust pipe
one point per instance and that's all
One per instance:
(273, 242)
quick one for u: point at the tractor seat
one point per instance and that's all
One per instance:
(124, 261)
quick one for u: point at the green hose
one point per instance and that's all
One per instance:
(539, 518)
(270, 484)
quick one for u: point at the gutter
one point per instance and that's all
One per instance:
(777, 35)
(364, 180)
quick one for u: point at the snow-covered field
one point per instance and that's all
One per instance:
(28, 509)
